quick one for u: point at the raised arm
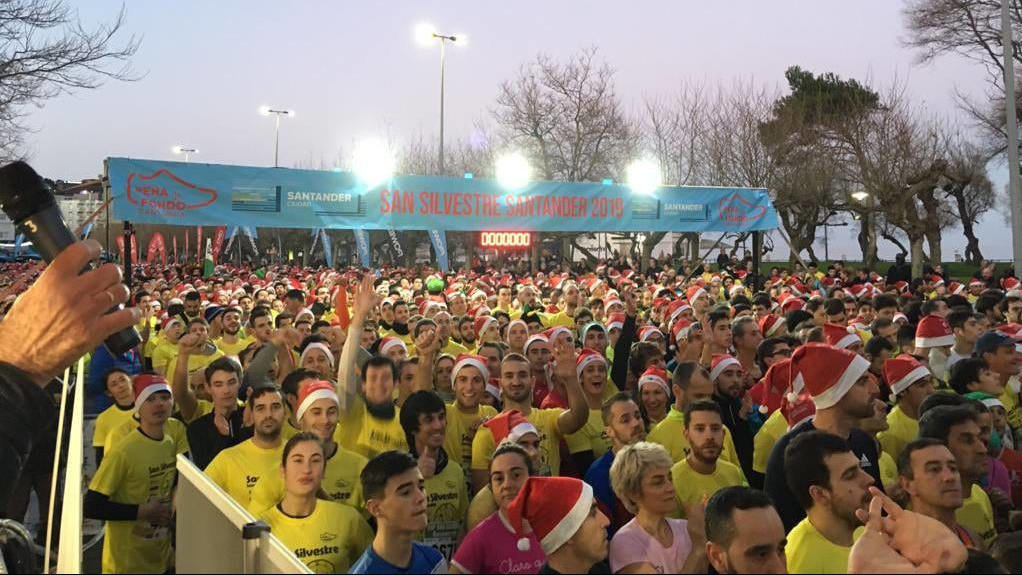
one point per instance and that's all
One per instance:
(578, 409)
(623, 347)
(365, 300)
(427, 346)
(183, 394)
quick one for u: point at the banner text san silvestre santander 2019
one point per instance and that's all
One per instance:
(178, 193)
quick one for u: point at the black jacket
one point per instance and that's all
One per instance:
(26, 413)
(205, 441)
(741, 433)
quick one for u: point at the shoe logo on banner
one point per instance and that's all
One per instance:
(164, 193)
(738, 210)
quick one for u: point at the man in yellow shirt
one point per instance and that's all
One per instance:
(690, 383)
(958, 428)
(118, 387)
(237, 469)
(424, 420)
(443, 331)
(929, 476)
(702, 472)
(133, 488)
(317, 413)
(566, 317)
(828, 482)
(194, 353)
(231, 341)
(165, 347)
(911, 382)
(553, 424)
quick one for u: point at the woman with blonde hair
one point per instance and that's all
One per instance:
(652, 542)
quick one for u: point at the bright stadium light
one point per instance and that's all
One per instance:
(374, 162)
(460, 40)
(513, 171)
(860, 196)
(424, 33)
(264, 110)
(643, 176)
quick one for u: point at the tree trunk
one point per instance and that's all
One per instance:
(972, 253)
(590, 257)
(916, 243)
(933, 241)
(867, 242)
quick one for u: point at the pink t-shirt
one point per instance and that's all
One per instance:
(631, 544)
(492, 547)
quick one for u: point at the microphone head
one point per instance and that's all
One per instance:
(22, 191)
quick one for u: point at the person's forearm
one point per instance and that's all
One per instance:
(259, 368)
(99, 506)
(424, 372)
(346, 384)
(622, 350)
(183, 394)
(578, 408)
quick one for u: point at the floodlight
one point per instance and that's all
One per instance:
(424, 33)
(860, 196)
(264, 110)
(643, 176)
(513, 171)
(460, 40)
(373, 162)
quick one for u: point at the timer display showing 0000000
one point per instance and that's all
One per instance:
(505, 239)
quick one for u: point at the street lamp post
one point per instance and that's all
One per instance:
(266, 111)
(185, 150)
(425, 34)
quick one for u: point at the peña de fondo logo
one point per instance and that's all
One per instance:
(738, 210)
(163, 192)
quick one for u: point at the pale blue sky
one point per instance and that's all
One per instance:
(352, 70)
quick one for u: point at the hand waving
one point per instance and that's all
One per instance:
(366, 297)
(564, 360)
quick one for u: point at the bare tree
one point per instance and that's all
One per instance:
(46, 51)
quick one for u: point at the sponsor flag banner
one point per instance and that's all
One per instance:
(328, 249)
(400, 253)
(218, 243)
(187, 249)
(19, 238)
(156, 248)
(439, 239)
(134, 248)
(198, 244)
(178, 193)
(230, 238)
(174, 241)
(207, 263)
(362, 246)
(250, 231)
(315, 240)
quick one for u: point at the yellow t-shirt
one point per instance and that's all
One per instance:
(482, 506)
(458, 439)
(888, 470)
(766, 438)
(328, 541)
(545, 421)
(138, 471)
(591, 436)
(447, 506)
(237, 469)
(407, 338)
(454, 348)
(1011, 405)
(162, 353)
(902, 429)
(977, 514)
(560, 318)
(340, 481)
(369, 436)
(808, 551)
(233, 348)
(174, 428)
(671, 434)
(111, 418)
(196, 362)
(690, 486)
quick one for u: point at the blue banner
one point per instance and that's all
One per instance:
(179, 193)
(230, 238)
(362, 246)
(87, 230)
(328, 249)
(439, 240)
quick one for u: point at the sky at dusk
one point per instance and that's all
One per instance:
(352, 70)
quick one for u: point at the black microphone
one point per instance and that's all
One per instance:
(25, 199)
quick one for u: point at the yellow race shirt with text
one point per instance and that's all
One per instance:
(328, 541)
(460, 432)
(591, 436)
(447, 506)
(237, 469)
(359, 431)
(340, 482)
(138, 470)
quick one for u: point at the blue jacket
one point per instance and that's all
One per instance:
(102, 362)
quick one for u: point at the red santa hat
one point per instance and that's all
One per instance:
(482, 323)
(955, 288)
(1009, 283)
(389, 342)
(770, 324)
(720, 362)
(792, 303)
(827, 372)
(321, 347)
(587, 357)
(552, 333)
(936, 281)
(146, 384)
(312, 392)
(839, 336)
(471, 360)
(857, 290)
(681, 328)
(509, 426)
(694, 292)
(615, 321)
(676, 308)
(611, 301)
(902, 371)
(901, 286)
(654, 376)
(770, 390)
(648, 331)
(539, 337)
(934, 331)
(555, 508)
(899, 317)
